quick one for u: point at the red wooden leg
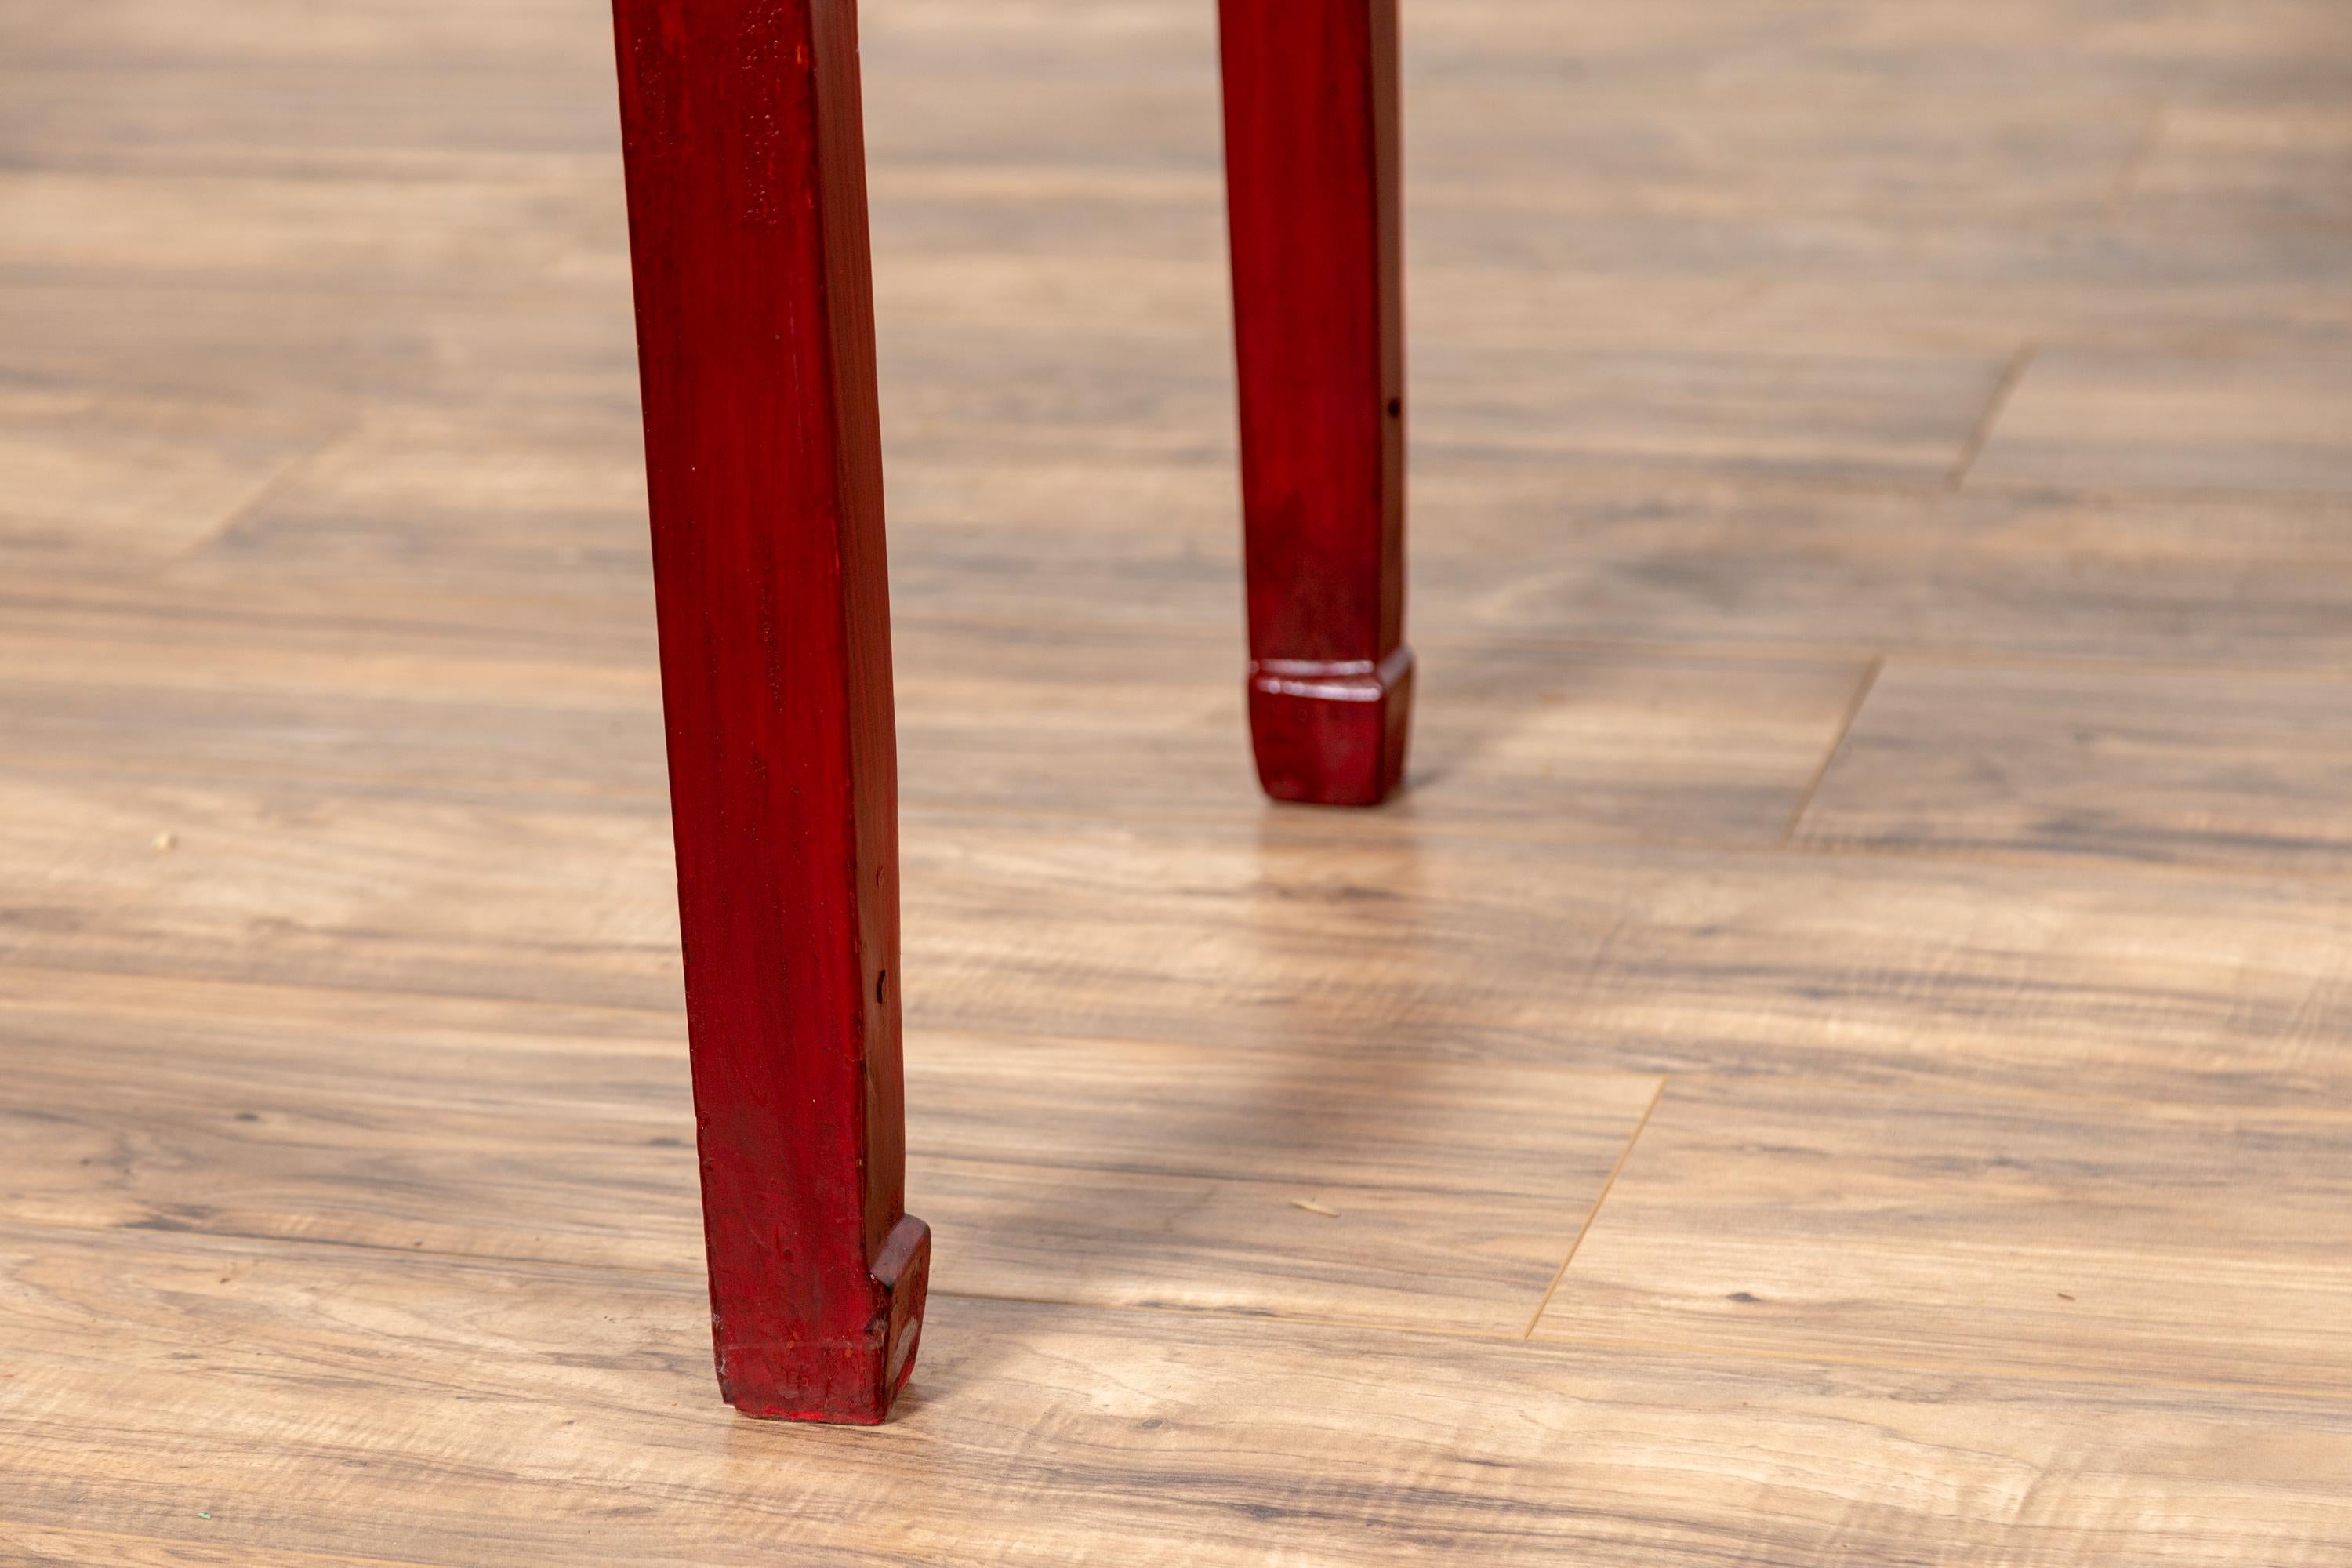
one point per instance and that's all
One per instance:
(1311, 187)
(747, 224)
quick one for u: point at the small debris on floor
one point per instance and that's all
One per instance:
(166, 842)
(1313, 1208)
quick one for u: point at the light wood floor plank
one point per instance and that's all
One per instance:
(1634, 555)
(50, 1546)
(2284, 162)
(1438, 1195)
(2042, 1236)
(1521, 742)
(1898, 972)
(526, 542)
(445, 1412)
(2180, 768)
(95, 483)
(1082, 924)
(346, 1189)
(2104, 420)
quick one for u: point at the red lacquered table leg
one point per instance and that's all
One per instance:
(1311, 188)
(747, 224)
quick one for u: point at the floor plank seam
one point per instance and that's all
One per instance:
(2002, 1212)
(263, 494)
(1861, 691)
(1608, 1185)
(1554, 1343)
(1982, 436)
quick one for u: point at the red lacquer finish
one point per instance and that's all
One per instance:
(747, 225)
(1311, 181)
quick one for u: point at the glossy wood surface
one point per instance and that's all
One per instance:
(1312, 165)
(755, 329)
(1837, 1058)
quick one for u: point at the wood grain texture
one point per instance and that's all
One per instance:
(46, 1546)
(2085, 419)
(2151, 579)
(2281, 164)
(1556, 741)
(322, 558)
(1531, 740)
(1312, 169)
(529, 515)
(1439, 1193)
(1261, 1442)
(2102, 1240)
(548, 571)
(742, 140)
(101, 481)
(2061, 979)
(2065, 978)
(2180, 768)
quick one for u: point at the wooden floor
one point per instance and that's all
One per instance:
(1843, 1057)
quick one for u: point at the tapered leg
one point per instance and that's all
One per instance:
(747, 224)
(1311, 188)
